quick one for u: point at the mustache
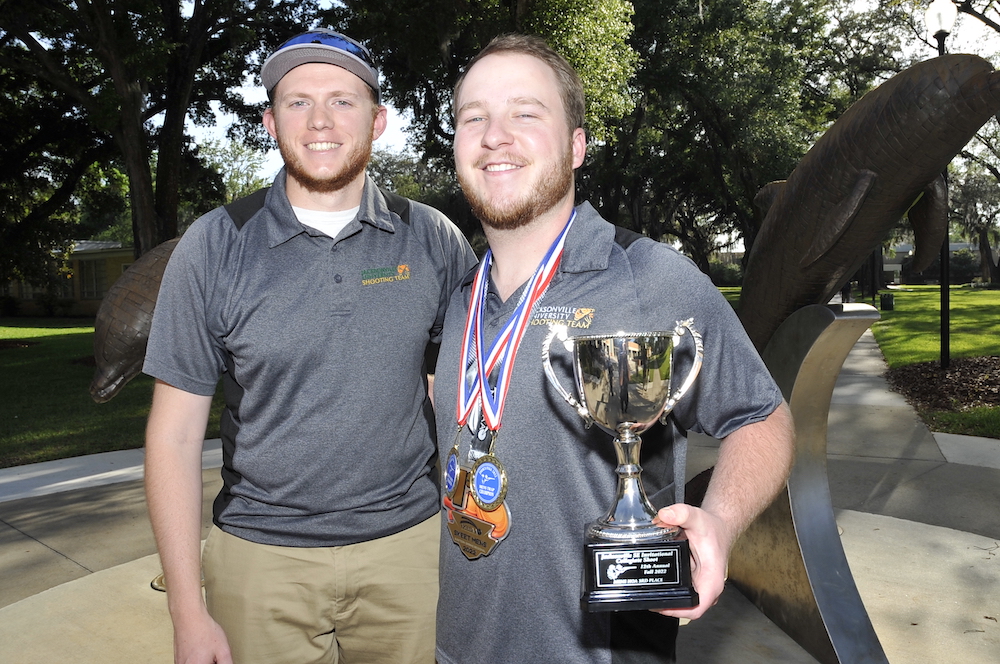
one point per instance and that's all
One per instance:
(505, 157)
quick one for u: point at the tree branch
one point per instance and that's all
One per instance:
(967, 8)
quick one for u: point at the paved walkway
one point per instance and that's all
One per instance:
(919, 515)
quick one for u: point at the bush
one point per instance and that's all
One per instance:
(48, 302)
(9, 306)
(963, 267)
(725, 274)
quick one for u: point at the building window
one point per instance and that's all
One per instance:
(29, 292)
(91, 280)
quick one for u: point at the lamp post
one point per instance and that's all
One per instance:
(940, 19)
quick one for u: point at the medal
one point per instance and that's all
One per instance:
(455, 478)
(489, 482)
(477, 527)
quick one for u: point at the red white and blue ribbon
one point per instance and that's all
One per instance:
(500, 355)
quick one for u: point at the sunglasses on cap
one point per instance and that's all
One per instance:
(332, 39)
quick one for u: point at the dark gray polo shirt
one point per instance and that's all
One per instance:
(327, 431)
(561, 475)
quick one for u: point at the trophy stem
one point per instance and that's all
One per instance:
(632, 507)
(631, 517)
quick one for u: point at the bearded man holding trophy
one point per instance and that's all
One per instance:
(530, 569)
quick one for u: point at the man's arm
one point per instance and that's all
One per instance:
(174, 436)
(753, 466)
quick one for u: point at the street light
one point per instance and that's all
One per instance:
(940, 20)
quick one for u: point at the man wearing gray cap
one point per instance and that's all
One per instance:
(316, 301)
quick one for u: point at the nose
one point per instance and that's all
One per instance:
(320, 117)
(497, 134)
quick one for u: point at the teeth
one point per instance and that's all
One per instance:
(323, 146)
(493, 168)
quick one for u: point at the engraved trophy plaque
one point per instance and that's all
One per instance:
(624, 382)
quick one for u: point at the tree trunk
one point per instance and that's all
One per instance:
(869, 275)
(616, 185)
(128, 130)
(190, 45)
(131, 139)
(991, 270)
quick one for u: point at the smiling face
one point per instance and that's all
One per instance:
(514, 151)
(324, 119)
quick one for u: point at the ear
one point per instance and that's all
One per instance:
(579, 143)
(268, 121)
(381, 120)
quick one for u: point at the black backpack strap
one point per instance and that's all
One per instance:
(242, 209)
(624, 237)
(398, 204)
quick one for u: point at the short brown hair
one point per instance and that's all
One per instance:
(570, 87)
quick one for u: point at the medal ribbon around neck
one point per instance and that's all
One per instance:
(504, 347)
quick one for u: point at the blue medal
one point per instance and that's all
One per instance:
(489, 482)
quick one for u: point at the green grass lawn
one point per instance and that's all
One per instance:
(911, 332)
(976, 422)
(731, 293)
(45, 407)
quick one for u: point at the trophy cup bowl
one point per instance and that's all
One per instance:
(624, 384)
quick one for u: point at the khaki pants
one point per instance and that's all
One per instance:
(367, 602)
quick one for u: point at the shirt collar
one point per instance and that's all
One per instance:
(588, 244)
(587, 247)
(374, 210)
(285, 226)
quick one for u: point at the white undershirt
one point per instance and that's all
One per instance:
(328, 223)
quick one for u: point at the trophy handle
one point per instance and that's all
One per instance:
(560, 331)
(699, 356)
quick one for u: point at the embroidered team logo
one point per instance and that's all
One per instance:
(572, 317)
(385, 275)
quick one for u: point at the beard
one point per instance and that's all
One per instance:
(357, 161)
(509, 214)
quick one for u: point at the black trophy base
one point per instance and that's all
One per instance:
(633, 577)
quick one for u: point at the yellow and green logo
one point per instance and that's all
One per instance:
(384, 275)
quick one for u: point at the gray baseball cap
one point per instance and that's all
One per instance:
(320, 45)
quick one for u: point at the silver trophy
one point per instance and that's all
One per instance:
(624, 381)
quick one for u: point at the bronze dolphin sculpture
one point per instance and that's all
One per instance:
(121, 328)
(881, 159)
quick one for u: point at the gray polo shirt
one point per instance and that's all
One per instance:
(327, 431)
(561, 475)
